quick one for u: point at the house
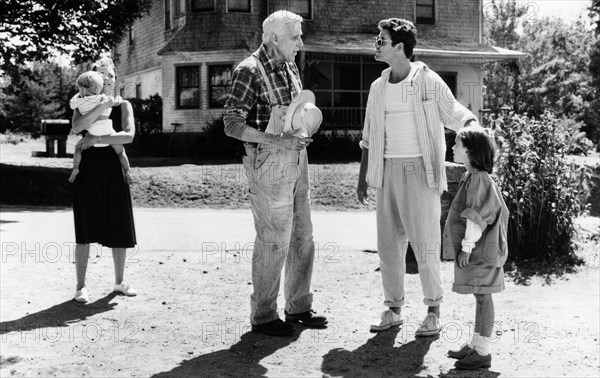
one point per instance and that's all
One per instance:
(186, 51)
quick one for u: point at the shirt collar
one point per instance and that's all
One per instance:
(267, 61)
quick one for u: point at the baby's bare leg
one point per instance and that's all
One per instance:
(76, 161)
(120, 150)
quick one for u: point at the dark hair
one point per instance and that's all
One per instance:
(480, 147)
(401, 31)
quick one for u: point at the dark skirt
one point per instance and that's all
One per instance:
(102, 201)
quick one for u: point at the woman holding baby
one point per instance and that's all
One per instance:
(101, 199)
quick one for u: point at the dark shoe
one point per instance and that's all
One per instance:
(308, 318)
(274, 328)
(460, 354)
(474, 361)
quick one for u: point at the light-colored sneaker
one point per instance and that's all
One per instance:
(126, 289)
(389, 319)
(430, 326)
(82, 295)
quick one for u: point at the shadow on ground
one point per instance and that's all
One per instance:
(35, 185)
(241, 359)
(378, 357)
(60, 315)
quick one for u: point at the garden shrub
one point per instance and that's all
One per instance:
(148, 125)
(334, 148)
(543, 191)
(214, 143)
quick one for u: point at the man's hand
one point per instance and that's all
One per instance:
(361, 191)
(292, 140)
(463, 259)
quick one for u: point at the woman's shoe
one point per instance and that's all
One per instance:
(82, 295)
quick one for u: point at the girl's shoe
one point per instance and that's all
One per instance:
(460, 354)
(474, 361)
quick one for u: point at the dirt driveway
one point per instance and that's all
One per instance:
(192, 269)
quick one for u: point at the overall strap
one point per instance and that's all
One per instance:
(272, 98)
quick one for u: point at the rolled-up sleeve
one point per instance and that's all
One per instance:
(453, 114)
(240, 101)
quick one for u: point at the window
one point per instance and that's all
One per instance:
(242, 6)
(203, 5)
(341, 85)
(177, 10)
(219, 83)
(450, 80)
(188, 87)
(138, 91)
(167, 14)
(300, 7)
(131, 35)
(426, 12)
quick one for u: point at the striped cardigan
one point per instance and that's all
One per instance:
(434, 106)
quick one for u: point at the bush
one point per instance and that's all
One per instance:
(215, 144)
(334, 147)
(148, 124)
(543, 191)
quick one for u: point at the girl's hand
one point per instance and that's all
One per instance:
(463, 259)
(87, 141)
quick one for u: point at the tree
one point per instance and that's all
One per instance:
(594, 117)
(556, 75)
(557, 72)
(41, 91)
(502, 19)
(33, 30)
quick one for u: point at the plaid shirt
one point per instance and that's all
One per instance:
(249, 96)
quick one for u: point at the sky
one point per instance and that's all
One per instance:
(569, 10)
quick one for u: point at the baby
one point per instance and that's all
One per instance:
(90, 86)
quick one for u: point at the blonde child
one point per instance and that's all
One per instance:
(475, 236)
(90, 86)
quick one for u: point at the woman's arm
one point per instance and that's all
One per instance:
(122, 137)
(83, 122)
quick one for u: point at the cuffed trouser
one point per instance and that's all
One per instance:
(408, 210)
(280, 199)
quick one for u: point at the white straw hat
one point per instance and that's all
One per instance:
(303, 113)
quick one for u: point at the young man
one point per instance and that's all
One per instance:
(403, 157)
(263, 87)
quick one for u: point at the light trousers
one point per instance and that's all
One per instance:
(408, 210)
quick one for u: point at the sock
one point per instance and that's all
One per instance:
(483, 346)
(471, 344)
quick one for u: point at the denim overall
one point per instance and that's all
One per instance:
(280, 198)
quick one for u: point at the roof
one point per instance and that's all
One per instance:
(209, 36)
(362, 44)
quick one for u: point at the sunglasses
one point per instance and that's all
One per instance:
(380, 41)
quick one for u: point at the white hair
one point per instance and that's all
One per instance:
(278, 23)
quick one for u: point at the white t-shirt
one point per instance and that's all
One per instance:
(400, 125)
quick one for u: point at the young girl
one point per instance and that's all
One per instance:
(475, 236)
(90, 87)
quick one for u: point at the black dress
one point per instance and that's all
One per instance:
(101, 198)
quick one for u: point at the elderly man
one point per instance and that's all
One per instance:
(264, 85)
(403, 157)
